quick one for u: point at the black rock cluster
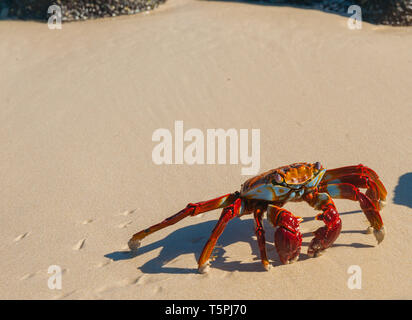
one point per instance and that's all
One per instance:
(392, 12)
(73, 10)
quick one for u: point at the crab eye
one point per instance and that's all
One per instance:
(318, 166)
(278, 178)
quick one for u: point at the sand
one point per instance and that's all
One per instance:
(78, 110)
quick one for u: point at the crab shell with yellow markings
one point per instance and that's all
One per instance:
(287, 183)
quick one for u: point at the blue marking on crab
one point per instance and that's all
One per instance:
(268, 192)
(280, 191)
(292, 196)
(333, 190)
(335, 181)
(315, 181)
(300, 193)
(272, 192)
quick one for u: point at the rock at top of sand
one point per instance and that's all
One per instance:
(73, 10)
(392, 12)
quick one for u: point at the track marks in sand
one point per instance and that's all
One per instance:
(120, 284)
(157, 289)
(127, 213)
(132, 281)
(150, 284)
(28, 276)
(79, 245)
(21, 237)
(87, 221)
(128, 282)
(103, 264)
(142, 279)
(64, 295)
(124, 225)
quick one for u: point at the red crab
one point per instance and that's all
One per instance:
(271, 190)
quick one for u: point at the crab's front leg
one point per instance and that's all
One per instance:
(228, 213)
(288, 239)
(260, 234)
(324, 236)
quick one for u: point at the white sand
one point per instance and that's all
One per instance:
(78, 109)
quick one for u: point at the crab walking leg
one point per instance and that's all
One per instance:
(191, 209)
(324, 236)
(360, 169)
(288, 239)
(260, 234)
(228, 214)
(360, 181)
(348, 191)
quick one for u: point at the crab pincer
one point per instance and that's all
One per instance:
(325, 236)
(288, 238)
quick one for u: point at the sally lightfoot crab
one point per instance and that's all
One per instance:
(271, 190)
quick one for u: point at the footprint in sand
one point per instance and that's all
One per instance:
(28, 276)
(103, 264)
(64, 295)
(20, 237)
(32, 274)
(103, 289)
(119, 284)
(79, 245)
(141, 280)
(158, 290)
(127, 212)
(128, 282)
(124, 225)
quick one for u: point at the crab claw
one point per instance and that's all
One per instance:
(288, 245)
(324, 238)
(288, 239)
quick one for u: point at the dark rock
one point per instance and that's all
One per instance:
(77, 9)
(392, 12)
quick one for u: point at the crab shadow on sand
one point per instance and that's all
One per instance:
(191, 239)
(403, 190)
